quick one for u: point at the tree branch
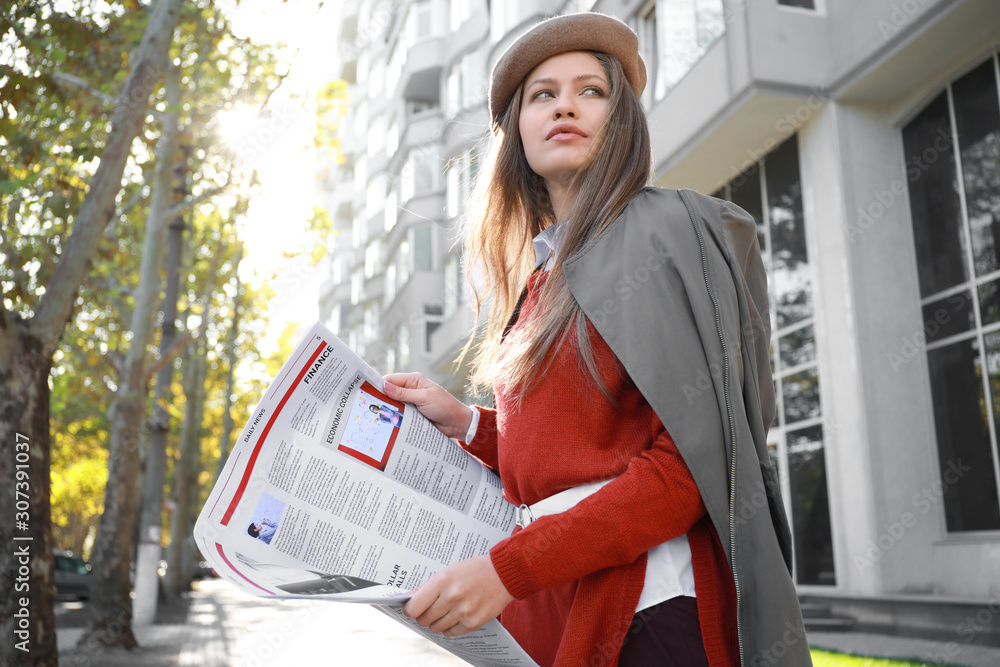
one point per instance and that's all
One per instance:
(133, 202)
(128, 118)
(18, 275)
(117, 361)
(165, 358)
(188, 204)
(73, 81)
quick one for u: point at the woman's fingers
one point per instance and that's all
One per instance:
(459, 599)
(421, 600)
(451, 416)
(440, 617)
(407, 380)
(408, 387)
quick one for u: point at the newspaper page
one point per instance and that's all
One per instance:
(334, 490)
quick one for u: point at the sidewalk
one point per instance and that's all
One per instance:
(906, 648)
(224, 627)
(220, 626)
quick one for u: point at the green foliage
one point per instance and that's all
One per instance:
(51, 132)
(59, 67)
(829, 659)
(331, 103)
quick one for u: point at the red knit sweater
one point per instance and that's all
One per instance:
(577, 576)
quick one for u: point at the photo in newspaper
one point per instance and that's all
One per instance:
(334, 490)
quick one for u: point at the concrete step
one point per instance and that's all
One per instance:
(815, 610)
(830, 624)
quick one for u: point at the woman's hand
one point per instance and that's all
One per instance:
(459, 599)
(450, 415)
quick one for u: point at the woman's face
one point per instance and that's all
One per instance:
(564, 104)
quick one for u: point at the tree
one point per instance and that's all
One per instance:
(201, 79)
(111, 620)
(29, 337)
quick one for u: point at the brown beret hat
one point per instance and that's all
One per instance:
(586, 31)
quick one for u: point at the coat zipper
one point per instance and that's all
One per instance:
(732, 429)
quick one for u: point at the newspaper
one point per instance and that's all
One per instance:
(336, 491)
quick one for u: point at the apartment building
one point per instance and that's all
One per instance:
(864, 136)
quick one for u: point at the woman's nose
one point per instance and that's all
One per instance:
(565, 106)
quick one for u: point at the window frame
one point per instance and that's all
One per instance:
(972, 283)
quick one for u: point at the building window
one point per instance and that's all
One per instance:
(376, 80)
(345, 318)
(674, 35)
(462, 11)
(403, 346)
(337, 270)
(423, 248)
(394, 70)
(334, 320)
(419, 22)
(358, 224)
(452, 285)
(391, 210)
(361, 118)
(377, 135)
(371, 321)
(649, 47)
(771, 191)
(373, 258)
(361, 174)
(418, 175)
(461, 176)
(955, 205)
(803, 4)
(403, 266)
(375, 196)
(392, 138)
(414, 107)
(433, 317)
(390, 284)
(504, 16)
(467, 82)
(357, 282)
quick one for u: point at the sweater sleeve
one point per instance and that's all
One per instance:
(484, 443)
(653, 501)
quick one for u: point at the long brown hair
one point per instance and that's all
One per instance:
(510, 204)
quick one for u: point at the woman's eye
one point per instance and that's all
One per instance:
(540, 93)
(594, 89)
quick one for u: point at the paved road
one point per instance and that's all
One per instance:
(229, 628)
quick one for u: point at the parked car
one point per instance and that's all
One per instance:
(202, 570)
(72, 576)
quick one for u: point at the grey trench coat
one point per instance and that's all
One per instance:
(676, 287)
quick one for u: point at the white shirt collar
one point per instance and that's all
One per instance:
(547, 243)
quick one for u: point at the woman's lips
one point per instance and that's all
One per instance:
(565, 131)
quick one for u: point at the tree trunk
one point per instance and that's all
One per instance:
(27, 597)
(189, 460)
(148, 553)
(111, 620)
(227, 409)
(193, 472)
(28, 592)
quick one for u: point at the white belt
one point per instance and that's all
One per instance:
(669, 570)
(560, 502)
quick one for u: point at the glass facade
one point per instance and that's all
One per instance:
(673, 36)
(952, 156)
(771, 191)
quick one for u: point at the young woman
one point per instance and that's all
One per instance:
(627, 349)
